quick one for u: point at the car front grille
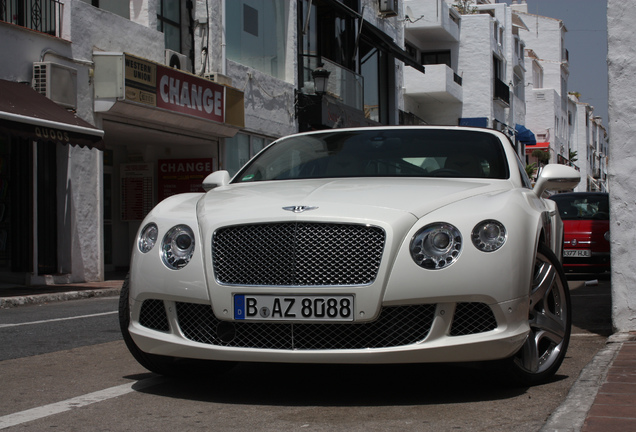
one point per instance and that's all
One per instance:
(472, 318)
(297, 254)
(153, 315)
(396, 326)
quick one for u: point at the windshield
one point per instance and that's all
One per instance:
(582, 206)
(380, 153)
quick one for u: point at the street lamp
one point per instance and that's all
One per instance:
(320, 76)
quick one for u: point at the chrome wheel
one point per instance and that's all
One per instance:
(549, 318)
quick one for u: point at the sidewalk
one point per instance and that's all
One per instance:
(12, 296)
(603, 398)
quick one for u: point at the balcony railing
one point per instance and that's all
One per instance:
(502, 91)
(42, 15)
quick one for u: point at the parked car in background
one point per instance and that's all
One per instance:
(365, 245)
(586, 246)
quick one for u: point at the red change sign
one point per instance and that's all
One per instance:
(187, 94)
(181, 175)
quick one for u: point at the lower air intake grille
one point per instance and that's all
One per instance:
(396, 326)
(472, 318)
(153, 315)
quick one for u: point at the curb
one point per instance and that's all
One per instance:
(571, 414)
(9, 302)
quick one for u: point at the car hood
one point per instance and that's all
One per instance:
(359, 198)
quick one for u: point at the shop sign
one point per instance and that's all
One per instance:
(160, 86)
(177, 176)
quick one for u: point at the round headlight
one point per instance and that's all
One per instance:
(148, 238)
(177, 247)
(489, 235)
(436, 246)
(606, 236)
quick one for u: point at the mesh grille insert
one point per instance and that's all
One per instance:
(153, 315)
(297, 254)
(472, 318)
(396, 326)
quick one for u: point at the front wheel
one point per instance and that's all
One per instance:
(550, 320)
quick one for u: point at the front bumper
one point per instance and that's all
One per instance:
(443, 332)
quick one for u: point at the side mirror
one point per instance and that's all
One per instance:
(556, 177)
(216, 179)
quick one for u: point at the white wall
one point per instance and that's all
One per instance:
(622, 117)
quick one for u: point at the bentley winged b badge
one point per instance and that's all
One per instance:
(299, 209)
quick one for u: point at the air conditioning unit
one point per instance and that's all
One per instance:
(57, 82)
(218, 78)
(177, 60)
(388, 8)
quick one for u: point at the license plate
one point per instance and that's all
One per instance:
(293, 307)
(577, 253)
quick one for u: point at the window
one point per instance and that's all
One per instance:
(169, 23)
(259, 39)
(118, 7)
(241, 148)
(438, 57)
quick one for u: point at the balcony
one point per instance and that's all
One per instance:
(432, 21)
(343, 85)
(440, 85)
(41, 15)
(502, 91)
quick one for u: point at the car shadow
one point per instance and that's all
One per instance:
(343, 385)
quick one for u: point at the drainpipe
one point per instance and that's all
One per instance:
(223, 61)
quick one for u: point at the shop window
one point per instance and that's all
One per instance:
(259, 40)
(169, 23)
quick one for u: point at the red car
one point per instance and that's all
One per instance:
(586, 246)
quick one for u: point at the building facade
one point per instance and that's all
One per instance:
(167, 92)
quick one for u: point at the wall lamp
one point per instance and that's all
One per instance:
(321, 77)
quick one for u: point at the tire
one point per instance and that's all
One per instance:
(162, 365)
(550, 320)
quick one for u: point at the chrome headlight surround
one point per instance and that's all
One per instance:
(177, 247)
(489, 235)
(148, 238)
(436, 246)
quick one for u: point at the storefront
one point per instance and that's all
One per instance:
(39, 145)
(164, 132)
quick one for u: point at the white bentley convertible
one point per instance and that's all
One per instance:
(368, 245)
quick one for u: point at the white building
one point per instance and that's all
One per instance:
(546, 86)
(588, 138)
(474, 62)
(621, 59)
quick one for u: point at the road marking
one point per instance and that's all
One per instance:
(57, 319)
(76, 402)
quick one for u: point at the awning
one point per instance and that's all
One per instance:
(28, 114)
(545, 146)
(525, 135)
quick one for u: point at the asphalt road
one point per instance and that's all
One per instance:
(65, 367)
